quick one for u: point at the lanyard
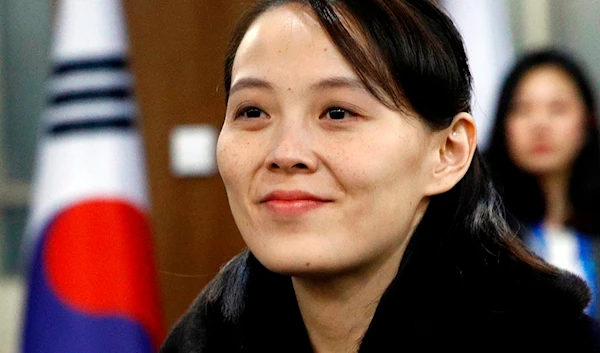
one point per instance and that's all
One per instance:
(586, 256)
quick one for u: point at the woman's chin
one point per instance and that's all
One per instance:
(301, 265)
(294, 266)
(546, 165)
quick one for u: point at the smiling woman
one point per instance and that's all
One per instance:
(306, 151)
(350, 163)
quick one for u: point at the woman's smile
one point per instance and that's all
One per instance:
(292, 202)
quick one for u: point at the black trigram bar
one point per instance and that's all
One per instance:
(98, 93)
(116, 123)
(90, 64)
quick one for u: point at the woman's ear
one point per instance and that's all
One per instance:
(454, 151)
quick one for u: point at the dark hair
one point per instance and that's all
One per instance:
(520, 191)
(414, 59)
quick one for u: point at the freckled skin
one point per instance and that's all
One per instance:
(371, 165)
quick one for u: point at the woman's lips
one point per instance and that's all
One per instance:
(291, 203)
(541, 149)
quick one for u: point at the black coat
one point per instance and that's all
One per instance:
(432, 305)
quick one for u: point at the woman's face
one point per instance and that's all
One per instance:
(545, 126)
(321, 177)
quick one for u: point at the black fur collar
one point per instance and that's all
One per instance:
(507, 306)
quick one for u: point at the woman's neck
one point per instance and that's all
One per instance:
(337, 312)
(555, 188)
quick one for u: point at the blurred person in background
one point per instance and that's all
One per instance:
(545, 159)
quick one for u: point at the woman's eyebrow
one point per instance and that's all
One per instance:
(250, 82)
(327, 83)
(339, 82)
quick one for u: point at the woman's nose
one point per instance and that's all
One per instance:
(540, 122)
(292, 150)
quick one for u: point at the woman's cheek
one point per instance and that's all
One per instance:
(226, 158)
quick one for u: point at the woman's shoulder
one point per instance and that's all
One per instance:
(537, 311)
(543, 309)
(590, 333)
(547, 332)
(210, 322)
(244, 308)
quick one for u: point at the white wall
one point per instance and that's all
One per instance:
(11, 303)
(571, 25)
(576, 27)
(24, 43)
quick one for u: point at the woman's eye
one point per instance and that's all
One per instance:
(338, 113)
(519, 111)
(251, 113)
(558, 109)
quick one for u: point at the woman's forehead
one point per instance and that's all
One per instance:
(282, 25)
(288, 40)
(545, 82)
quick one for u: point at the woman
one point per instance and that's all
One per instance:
(545, 157)
(350, 163)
